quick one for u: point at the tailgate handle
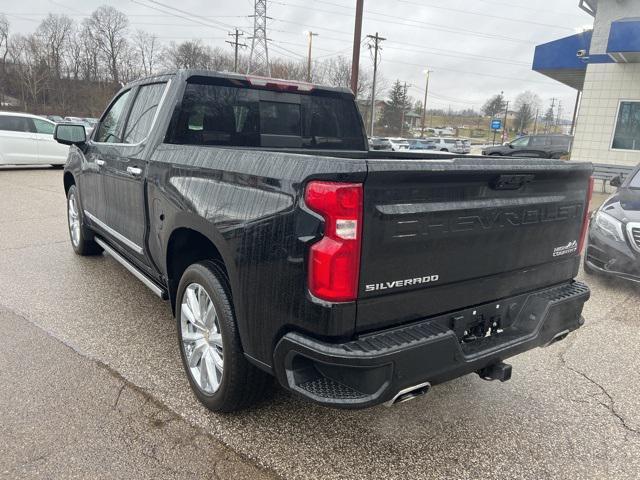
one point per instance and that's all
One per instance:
(511, 182)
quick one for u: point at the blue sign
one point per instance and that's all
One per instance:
(496, 124)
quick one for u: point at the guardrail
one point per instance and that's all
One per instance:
(606, 171)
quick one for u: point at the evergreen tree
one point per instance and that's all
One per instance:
(392, 112)
(494, 106)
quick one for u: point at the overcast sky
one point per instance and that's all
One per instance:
(475, 48)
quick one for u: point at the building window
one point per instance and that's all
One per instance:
(627, 133)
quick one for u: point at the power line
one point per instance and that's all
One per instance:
(236, 44)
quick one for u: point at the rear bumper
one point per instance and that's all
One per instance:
(373, 368)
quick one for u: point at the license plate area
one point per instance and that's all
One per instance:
(485, 321)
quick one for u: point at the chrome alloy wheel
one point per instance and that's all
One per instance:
(74, 220)
(201, 338)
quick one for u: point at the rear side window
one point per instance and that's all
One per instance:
(213, 114)
(43, 126)
(560, 141)
(111, 124)
(143, 112)
(538, 141)
(14, 124)
(635, 181)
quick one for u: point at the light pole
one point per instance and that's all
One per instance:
(424, 105)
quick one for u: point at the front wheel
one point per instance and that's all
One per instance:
(81, 238)
(212, 355)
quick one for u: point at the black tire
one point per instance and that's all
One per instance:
(495, 154)
(84, 245)
(242, 384)
(444, 150)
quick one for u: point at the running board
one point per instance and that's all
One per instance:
(153, 286)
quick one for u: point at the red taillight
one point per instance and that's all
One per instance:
(334, 261)
(585, 220)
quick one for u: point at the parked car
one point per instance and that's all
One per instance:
(380, 144)
(614, 233)
(537, 146)
(399, 144)
(466, 145)
(28, 140)
(88, 126)
(55, 118)
(417, 144)
(287, 249)
(445, 144)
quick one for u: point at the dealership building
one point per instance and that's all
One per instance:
(603, 65)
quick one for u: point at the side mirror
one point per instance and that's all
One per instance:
(509, 145)
(70, 134)
(616, 181)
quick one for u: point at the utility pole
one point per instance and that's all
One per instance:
(558, 117)
(547, 120)
(404, 100)
(376, 46)
(424, 105)
(236, 44)
(505, 134)
(575, 112)
(535, 123)
(357, 39)
(311, 35)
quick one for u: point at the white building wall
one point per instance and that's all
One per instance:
(610, 11)
(605, 85)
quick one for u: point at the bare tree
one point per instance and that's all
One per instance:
(55, 32)
(189, 54)
(4, 52)
(146, 45)
(28, 56)
(109, 27)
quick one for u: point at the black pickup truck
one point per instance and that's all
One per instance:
(288, 249)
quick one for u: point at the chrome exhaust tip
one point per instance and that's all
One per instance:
(409, 393)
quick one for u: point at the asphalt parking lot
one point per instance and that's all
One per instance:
(569, 412)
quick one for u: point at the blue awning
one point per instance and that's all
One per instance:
(559, 59)
(624, 40)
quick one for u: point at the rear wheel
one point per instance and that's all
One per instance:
(219, 373)
(81, 237)
(444, 150)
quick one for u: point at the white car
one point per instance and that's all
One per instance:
(399, 144)
(451, 145)
(28, 140)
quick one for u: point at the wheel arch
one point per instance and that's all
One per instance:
(185, 246)
(68, 180)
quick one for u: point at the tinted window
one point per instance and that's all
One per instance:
(231, 116)
(143, 112)
(14, 124)
(635, 181)
(43, 126)
(627, 134)
(111, 124)
(538, 141)
(521, 142)
(561, 141)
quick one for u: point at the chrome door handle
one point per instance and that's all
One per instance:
(134, 171)
(100, 162)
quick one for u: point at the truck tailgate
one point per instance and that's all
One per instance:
(443, 234)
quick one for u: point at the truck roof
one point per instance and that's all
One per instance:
(264, 82)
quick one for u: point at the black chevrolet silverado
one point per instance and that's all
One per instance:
(288, 249)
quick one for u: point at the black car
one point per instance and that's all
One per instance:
(537, 146)
(614, 233)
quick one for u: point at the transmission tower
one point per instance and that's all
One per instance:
(259, 57)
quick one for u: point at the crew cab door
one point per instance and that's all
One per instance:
(99, 149)
(123, 173)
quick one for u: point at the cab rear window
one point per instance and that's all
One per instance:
(214, 114)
